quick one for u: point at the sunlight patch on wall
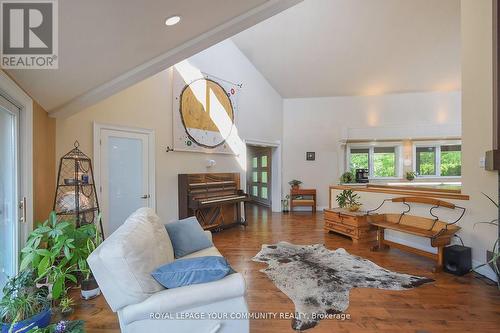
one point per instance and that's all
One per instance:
(218, 113)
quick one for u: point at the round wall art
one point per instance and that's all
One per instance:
(207, 113)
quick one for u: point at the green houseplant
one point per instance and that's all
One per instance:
(294, 183)
(410, 175)
(285, 204)
(347, 177)
(66, 306)
(64, 326)
(54, 250)
(24, 306)
(89, 287)
(349, 200)
(493, 256)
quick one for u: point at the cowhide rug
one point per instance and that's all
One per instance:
(318, 280)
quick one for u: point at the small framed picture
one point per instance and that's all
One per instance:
(310, 156)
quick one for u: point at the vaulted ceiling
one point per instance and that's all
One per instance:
(358, 47)
(105, 46)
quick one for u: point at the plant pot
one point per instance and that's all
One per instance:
(90, 289)
(39, 320)
(354, 208)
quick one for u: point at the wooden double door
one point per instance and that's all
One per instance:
(259, 174)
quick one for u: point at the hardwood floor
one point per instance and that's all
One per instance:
(451, 304)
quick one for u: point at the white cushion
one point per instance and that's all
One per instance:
(210, 251)
(123, 263)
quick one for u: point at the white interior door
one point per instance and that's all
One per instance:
(10, 194)
(126, 173)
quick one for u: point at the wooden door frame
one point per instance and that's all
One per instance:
(275, 170)
(98, 127)
(268, 169)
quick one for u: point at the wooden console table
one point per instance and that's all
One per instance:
(351, 224)
(303, 197)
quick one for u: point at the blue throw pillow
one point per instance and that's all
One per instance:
(185, 272)
(187, 236)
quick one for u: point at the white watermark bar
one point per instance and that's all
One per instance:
(247, 316)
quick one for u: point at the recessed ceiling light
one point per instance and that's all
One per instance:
(172, 20)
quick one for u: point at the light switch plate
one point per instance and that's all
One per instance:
(482, 162)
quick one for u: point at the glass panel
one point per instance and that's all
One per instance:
(263, 193)
(359, 159)
(125, 174)
(426, 161)
(384, 162)
(263, 176)
(255, 176)
(255, 191)
(8, 195)
(263, 161)
(451, 160)
(255, 162)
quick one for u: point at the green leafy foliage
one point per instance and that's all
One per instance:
(493, 262)
(451, 163)
(359, 161)
(384, 165)
(75, 326)
(347, 177)
(21, 298)
(347, 199)
(294, 182)
(55, 250)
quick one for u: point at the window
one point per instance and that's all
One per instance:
(381, 161)
(384, 162)
(426, 161)
(451, 161)
(360, 159)
(438, 160)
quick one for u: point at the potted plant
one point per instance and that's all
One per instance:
(89, 287)
(410, 175)
(285, 203)
(493, 256)
(66, 306)
(23, 305)
(294, 183)
(64, 326)
(54, 250)
(347, 177)
(349, 200)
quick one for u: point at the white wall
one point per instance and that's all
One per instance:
(319, 124)
(477, 127)
(148, 104)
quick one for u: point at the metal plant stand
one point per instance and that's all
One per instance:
(76, 196)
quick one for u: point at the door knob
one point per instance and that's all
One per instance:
(145, 196)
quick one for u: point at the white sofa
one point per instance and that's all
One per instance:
(122, 265)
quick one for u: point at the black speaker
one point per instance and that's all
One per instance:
(457, 259)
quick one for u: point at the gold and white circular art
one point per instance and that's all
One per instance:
(207, 113)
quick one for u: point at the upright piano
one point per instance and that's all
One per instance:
(214, 198)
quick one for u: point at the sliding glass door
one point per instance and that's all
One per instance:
(9, 189)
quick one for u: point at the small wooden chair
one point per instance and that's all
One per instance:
(439, 232)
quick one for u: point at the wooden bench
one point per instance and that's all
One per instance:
(308, 198)
(439, 232)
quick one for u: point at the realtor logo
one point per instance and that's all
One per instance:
(29, 34)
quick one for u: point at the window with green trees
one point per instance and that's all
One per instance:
(382, 162)
(439, 160)
(360, 159)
